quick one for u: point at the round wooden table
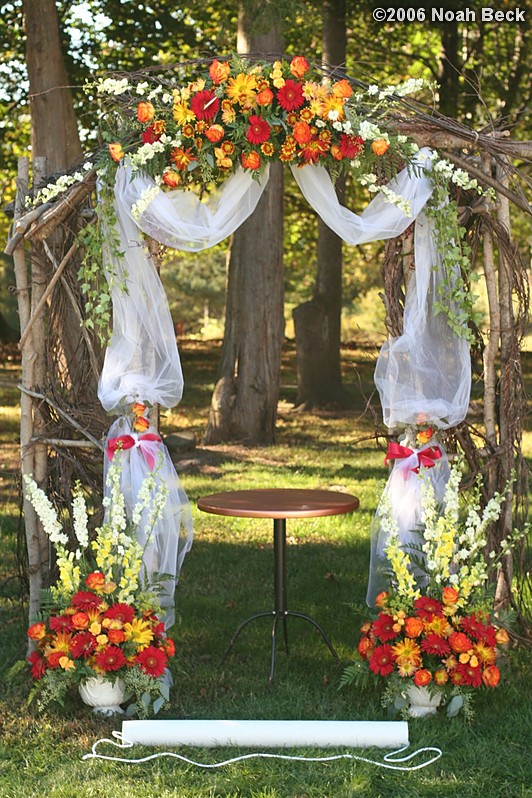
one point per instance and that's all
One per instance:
(279, 504)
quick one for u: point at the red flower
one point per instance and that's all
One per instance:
(381, 661)
(426, 607)
(38, 664)
(151, 134)
(471, 676)
(383, 627)
(85, 601)
(120, 612)
(290, 96)
(152, 660)
(351, 146)
(60, 623)
(312, 152)
(111, 658)
(474, 627)
(205, 105)
(258, 131)
(434, 644)
(169, 647)
(83, 645)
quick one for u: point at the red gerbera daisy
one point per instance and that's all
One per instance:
(152, 660)
(471, 676)
(258, 131)
(60, 623)
(434, 644)
(351, 146)
(84, 600)
(426, 607)
(383, 627)
(290, 96)
(381, 661)
(120, 612)
(474, 627)
(38, 664)
(82, 645)
(110, 659)
(205, 105)
(150, 135)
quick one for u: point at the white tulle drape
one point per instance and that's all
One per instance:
(423, 375)
(142, 361)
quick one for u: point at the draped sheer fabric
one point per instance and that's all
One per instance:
(424, 373)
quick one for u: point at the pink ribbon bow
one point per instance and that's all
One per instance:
(425, 457)
(147, 443)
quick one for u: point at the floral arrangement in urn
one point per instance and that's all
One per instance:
(433, 640)
(100, 625)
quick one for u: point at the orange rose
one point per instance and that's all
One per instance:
(250, 160)
(365, 628)
(502, 637)
(37, 631)
(80, 620)
(145, 112)
(138, 408)
(342, 89)
(422, 677)
(116, 152)
(171, 179)
(491, 676)
(264, 97)
(169, 647)
(116, 635)
(219, 71)
(424, 435)
(141, 424)
(215, 133)
(336, 152)
(459, 642)
(413, 627)
(298, 66)
(441, 677)
(365, 647)
(449, 595)
(382, 599)
(380, 146)
(95, 581)
(302, 133)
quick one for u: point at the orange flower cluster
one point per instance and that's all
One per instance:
(95, 635)
(247, 115)
(435, 643)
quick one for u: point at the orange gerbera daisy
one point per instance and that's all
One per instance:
(182, 157)
(407, 654)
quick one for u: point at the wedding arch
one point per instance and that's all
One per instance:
(185, 164)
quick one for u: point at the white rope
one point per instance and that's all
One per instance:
(390, 760)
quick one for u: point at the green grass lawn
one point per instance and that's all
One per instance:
(227, 576)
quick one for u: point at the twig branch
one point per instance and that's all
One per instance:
(64, 414)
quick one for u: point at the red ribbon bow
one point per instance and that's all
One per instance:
(147, 444)
(425, 457)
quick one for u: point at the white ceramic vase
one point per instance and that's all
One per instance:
(423, 701)
(103, 695)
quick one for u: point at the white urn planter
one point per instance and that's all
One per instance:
(423, 702)
(103, 695)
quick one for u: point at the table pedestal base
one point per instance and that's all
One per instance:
(279, 616)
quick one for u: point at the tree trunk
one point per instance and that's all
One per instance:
(244, 402)
(317, 322)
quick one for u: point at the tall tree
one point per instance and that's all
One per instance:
(244, 403)
(317, 322)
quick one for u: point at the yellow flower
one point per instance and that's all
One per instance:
(182, 113)
(139, 632)
(67, 664)
(241, 89)
(408, 654)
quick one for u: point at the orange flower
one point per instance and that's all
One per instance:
(145, 112)
(169, 647)
(502, 637)
(484, 653)
(95, 581)
(441, 677)
(422, 677)
(250, 160)
(219, 71)
(491, 676)
(342, 89)
(171, 179)
(380, 146)
(424, 435)
(298, 66)
(449, 595)
(141, 424)
(365, 647)
(215, 133)
(80, 620)
(37, 631)
(67, 664)
(407, 654)
(413, 627)
(138, 408)
(382, 599)
(188, 131)
(336, 152)
(182, 157)
(228, 112)
(459, 642)
(302, 133)
(116, 152)
(264, 97)
(228, 148)
(116, 636)
(267, 149)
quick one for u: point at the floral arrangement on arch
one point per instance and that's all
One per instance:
(98, 619)
(433, 627)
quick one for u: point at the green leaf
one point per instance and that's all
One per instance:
(131, 710)
(158, 704)
(454, 706)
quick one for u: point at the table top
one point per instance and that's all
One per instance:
(279, 503)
